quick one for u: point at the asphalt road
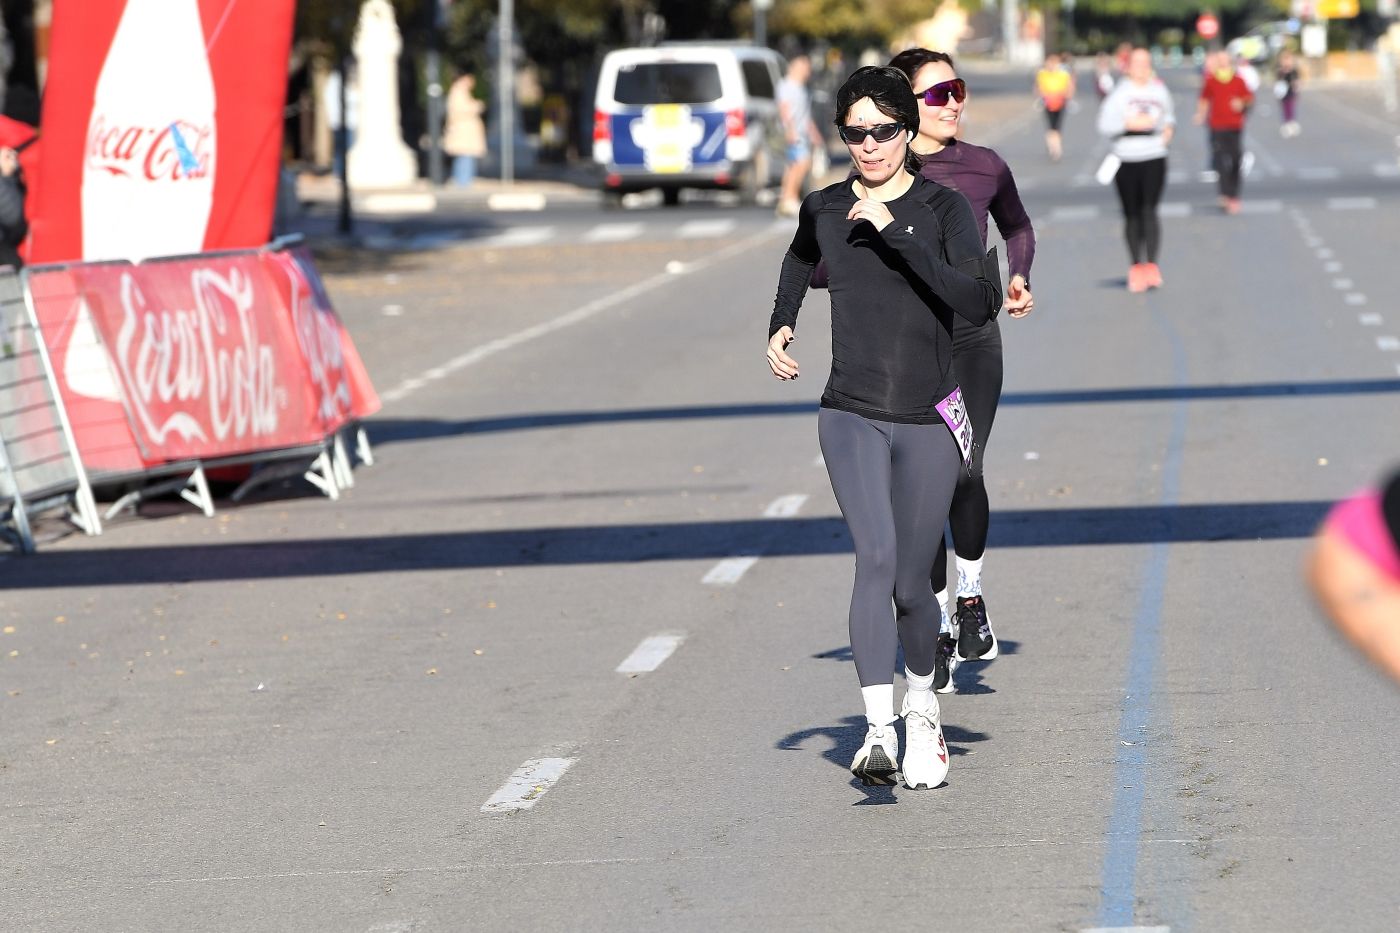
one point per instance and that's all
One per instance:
(403, 711)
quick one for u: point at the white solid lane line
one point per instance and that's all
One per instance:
(582, 313)
(785, 507)
(528, 784)
(650, 654)
(520, 236)
(704, 229)
(613, 233)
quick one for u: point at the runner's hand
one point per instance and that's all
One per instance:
(9, 161)
(874, 211)
(783, 366)
(1019, 302)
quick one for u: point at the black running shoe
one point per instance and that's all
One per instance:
(945, 661)
(976, 641)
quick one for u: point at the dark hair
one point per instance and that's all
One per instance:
(889, 90)
(911, 60)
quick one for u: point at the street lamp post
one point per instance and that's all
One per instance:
(505, 78)
(760, 21)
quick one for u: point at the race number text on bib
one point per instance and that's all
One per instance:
(955, 416)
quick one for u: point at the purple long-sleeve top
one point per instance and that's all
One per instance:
(983, 177)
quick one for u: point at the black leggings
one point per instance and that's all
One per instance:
(979, 369)
(1140, 187)
(893, 483)
(1225, 156)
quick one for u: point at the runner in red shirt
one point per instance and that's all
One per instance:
(1225, 101)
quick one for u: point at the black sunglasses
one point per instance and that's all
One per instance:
(938, 94)
(883, 132)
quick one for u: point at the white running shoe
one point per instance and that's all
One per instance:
(875, 763)
(925, 754)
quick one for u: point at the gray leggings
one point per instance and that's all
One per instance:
(894, 483)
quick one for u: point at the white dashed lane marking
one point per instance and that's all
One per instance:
(728, 571)
(1388, 344)
(1351, 204)
(1356, 300)
(1371, 319)
(1260, 207)
(704, 229)
(613, 233)
(650, 654)
(785, 507)
(527, 785)
(520, 236)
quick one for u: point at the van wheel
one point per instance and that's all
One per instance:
(754, 179)
(670, 196)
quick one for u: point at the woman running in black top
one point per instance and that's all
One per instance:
(903, 258)
(984, 179)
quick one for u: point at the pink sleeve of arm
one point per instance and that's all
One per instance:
(1360, 520)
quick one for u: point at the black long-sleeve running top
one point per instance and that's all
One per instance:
(894, 294)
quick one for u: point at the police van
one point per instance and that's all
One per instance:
(688, 116)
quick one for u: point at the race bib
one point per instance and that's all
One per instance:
(954, 413)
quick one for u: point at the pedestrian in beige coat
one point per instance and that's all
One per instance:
(465, 136)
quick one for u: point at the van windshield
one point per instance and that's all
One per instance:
(667, 83)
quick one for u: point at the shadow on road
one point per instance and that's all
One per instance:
(634, 543)
(844, 739)
(392, 430)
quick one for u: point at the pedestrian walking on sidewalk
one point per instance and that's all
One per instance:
(1223, 105)
(800, 134)
(464, 136)
(984, 178)
(1286, 81)
(1139, 118)
(904, 257)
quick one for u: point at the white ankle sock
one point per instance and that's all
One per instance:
(879, 704)
(969, 577)
(920, 693)
(946, 627)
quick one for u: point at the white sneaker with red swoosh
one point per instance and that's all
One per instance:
(925, 762)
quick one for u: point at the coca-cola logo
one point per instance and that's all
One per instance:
(177, 151)
(318, 338)
(176, 361)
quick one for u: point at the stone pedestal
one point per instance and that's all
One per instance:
(379, 158)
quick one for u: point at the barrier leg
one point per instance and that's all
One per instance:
(199, 496)
(362, 448)
(321, 474)
(340, 460)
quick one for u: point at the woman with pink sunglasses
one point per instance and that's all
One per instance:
(982, 177)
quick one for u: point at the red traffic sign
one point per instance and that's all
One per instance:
(1207, 26)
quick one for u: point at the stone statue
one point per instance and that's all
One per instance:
(379, 157)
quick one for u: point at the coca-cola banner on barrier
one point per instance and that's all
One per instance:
(162, 127)
(198, 358)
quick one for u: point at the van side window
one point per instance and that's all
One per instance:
(648, 83)
(758, 81)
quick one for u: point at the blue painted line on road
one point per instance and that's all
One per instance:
(1118, 893)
